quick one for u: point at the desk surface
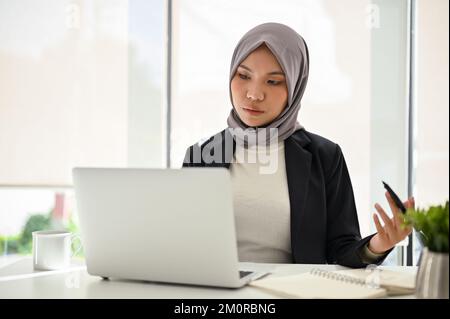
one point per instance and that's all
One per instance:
(18, 280)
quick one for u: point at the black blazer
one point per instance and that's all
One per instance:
(324, 222)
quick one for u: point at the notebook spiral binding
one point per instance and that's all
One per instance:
(335, 276)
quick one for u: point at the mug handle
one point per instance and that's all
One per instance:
(74, 237)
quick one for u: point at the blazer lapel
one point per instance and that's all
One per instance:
(298, 170)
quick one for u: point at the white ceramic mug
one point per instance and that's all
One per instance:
(52, 249)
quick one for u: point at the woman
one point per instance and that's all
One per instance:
(303, 211)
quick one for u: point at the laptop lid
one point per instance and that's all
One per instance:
(166, 225)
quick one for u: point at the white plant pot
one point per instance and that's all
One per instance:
(432, 276)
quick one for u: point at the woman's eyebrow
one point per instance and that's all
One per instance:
(270, 73)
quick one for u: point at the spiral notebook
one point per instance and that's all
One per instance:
(348, 284)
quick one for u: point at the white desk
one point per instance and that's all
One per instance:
(18, 280)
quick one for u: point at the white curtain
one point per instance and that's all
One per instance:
(80, 85)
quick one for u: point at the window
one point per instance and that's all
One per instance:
(431, 106)
(81, 85)
(23, 211)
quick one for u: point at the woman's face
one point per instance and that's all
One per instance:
(258, 88)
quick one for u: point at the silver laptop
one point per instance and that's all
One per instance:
(164, 225)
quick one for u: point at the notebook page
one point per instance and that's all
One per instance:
(310, 286)
(393, 281)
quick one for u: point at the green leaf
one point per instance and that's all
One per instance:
(432, 225)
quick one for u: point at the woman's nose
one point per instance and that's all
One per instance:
(255, 95)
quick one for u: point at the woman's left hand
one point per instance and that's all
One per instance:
(392, 232)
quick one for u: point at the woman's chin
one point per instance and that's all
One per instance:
(253, 123)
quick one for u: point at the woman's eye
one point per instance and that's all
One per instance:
(272, 82)
(242, 76)
(245, 77)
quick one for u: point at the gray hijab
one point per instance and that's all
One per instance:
(292, 54)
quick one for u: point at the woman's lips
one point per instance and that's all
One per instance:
(252, 111)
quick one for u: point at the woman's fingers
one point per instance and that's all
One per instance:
(396, 212)
(380, 228)
(392, 232)
(391, 202)
(410, 203)
(387, 221)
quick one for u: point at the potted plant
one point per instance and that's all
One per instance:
(432, 225)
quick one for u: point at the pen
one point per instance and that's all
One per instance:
(395, 198)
